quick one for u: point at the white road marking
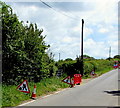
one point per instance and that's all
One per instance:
(41, 98)
(26, 103)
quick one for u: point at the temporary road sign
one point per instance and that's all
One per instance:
(67, 80)
(77, 78)
(23, 87)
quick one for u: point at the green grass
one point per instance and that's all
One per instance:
(13, 97)
(104, 71)
(100, 72)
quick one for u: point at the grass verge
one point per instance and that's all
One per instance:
(105, 70)
(99, 72)
(12, 97)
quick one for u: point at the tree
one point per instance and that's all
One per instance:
(117, 56)
(68, 59)
(24, 50)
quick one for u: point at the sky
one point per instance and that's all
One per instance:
(62, 24)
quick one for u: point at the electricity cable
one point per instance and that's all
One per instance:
(59, 11)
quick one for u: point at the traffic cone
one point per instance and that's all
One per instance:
(34, 93)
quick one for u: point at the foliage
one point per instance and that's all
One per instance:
(68, 59)
(88, 57)
(24, 49)
(117, 56)
(74, 66)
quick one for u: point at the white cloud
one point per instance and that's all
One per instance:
(87, 32)
(67, 39)
(63, 33)
(76, 29)
(100, 49)
(104, 12)
(95, 49)
(103, 30)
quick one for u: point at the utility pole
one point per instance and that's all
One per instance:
(59, 56)
(82, 48)
(109, 53)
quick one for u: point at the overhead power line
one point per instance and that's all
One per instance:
(46, 4)
(74, 18)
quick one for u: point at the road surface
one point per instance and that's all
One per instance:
(101, 91)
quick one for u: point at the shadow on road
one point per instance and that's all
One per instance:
(114, 93)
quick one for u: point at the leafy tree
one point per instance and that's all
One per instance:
(10, 40)
(24, 50)
(68, 59)
(117, 56)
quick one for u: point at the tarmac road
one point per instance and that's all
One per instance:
(101, 91)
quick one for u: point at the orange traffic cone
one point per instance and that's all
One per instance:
(34, 93)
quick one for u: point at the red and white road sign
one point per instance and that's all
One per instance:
(67, 80)
(23, 87)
